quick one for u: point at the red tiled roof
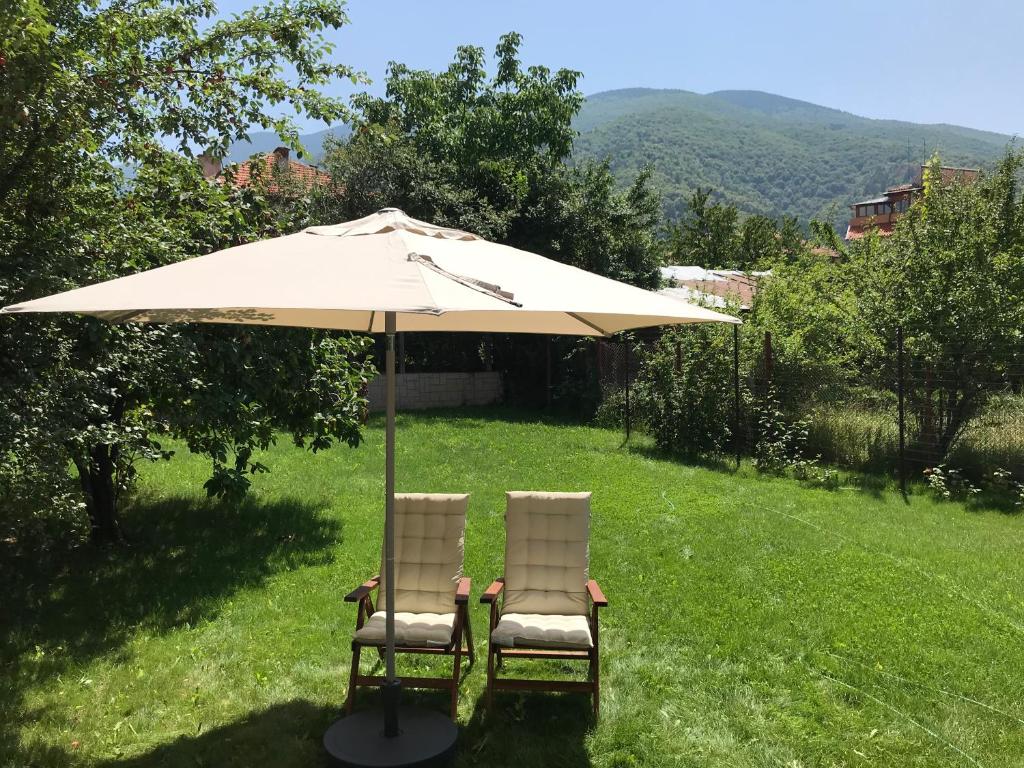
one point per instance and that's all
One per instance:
(857, 231)
(966, 175)
(737, 286)
(303, 174)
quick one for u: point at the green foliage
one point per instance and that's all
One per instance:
(761, 245)
(711, 235)
(952, 276)
(949, 482)
(487, 154)
(1004, 481)
(767, 154)
(684, 393)
(808, 308)
(114, 76)
(780, 442)
(87, 89)
(706, 236)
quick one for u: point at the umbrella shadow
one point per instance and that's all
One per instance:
(483, 415)
(288, 734)
(187, 556)
(527, 729)
(522, 730)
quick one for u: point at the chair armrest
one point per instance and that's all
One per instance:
(596, 595)
(493, 591)
(362, 590)
(462, 591)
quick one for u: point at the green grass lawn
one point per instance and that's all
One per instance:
(753, 621)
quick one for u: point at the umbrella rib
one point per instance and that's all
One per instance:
(369, 328)
(587, 323)
(488, 289)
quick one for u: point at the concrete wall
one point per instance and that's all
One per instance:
(419, 391)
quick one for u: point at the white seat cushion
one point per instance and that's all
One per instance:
(542, 630)
(411, 629)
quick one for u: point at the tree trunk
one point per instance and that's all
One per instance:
(96, 475)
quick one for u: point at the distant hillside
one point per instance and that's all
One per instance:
(765, 153)
(266, 141)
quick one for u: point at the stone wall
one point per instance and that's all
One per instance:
(419, 391)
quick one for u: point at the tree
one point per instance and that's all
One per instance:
(791, 238)
(952, 277)
(706, 236)
(760, 244)
(489, 153)
(87, 89)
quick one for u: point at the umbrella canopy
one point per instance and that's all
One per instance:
(347, 276)
(386, 273)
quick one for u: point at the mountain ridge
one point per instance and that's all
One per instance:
(765, 153)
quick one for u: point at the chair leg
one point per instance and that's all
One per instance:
(456, 672)
(350, 700)
(469, 639)
(490, 676)
(595, 678)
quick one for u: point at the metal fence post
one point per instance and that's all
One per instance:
(547, 371)
(628, 419)
(736, 391)
(900, 394)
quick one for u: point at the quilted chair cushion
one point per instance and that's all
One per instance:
(429, 536)
(547, 543)
(542, 631)
(416, 629)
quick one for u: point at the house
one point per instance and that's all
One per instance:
(880, 213)
(714, 288)
(275, 164)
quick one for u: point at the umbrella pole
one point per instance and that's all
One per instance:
(392, 686)
(426, 737)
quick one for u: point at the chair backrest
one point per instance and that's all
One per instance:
(547, 552)
(429, 536)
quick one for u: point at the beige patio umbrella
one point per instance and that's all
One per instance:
(386, 273)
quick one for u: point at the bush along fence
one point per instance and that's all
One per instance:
(954, 421)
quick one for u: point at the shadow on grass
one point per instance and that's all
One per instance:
(522, 731)
(187, 556)
(526, 729)
(875, 485)
(284, 735)
(715, 463)
(486, 414)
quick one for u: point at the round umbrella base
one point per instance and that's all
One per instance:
(426, 738)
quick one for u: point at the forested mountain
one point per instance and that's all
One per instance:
(761, 152)
(765, 153)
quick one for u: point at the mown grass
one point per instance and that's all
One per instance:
(753, 621)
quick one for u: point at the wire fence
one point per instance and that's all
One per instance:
(892, 412)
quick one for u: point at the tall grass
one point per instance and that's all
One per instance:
(864, 436)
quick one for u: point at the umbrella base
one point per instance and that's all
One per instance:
(426, 738)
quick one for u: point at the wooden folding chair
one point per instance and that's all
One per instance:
(431, 594)
(549, 604)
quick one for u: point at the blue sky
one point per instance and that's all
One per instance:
(935, 62)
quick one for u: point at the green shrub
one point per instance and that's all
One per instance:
(684, 393)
